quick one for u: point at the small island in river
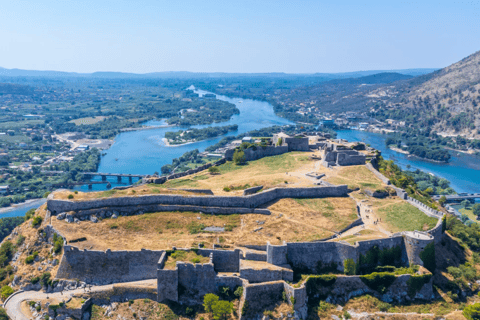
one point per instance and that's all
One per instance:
(193, 135)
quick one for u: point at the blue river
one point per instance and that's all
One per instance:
(144, 152)
(463, 170)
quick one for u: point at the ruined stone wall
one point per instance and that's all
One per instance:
(254, 274)
(378, 174)
(251, 201)
(387, 243)
(141, 209)
(314, 256)
(258, 153)
(223, 260)
(277, 255)
(194, 281)
(161, 180)
(297, 144)
(436, 232)
(98, 267)
(255, 256)
(261, 296)
(252, 190)
(424, 208)
(167, 285)
(229, 281)
(344, 159)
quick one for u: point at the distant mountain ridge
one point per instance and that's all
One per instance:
(448, 99)
(186, 74)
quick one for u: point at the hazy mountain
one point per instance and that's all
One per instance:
(193, 75)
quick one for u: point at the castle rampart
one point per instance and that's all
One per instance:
(251, 201)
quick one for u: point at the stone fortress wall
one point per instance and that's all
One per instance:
(140, 202)
(99, 267)
(188, 282)
(338, 155)
(403, 194)
(160, 180)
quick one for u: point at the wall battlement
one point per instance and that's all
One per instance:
(250, 201)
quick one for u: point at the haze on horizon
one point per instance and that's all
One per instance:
(304, 36)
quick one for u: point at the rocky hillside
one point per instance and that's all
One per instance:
(448, 100)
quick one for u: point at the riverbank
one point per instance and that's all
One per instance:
(168, 144)
(399, 150)
(19, 209)
(463, 170)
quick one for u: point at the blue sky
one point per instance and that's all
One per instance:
(300, 36)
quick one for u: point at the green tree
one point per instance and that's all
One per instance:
(213, 170)
(476, 209)
(221, 309)
(465, 203)
(442, 200)
(239, 157)
(3, 314)
(349, 267)
(428, 257)
(208, 301)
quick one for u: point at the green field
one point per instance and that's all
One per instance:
(19, 124)
(13, 139)
(402, 216)
(87, 120)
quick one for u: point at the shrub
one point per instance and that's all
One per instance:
(57, 243)
(208, 300)
(34, 280)
(324, 306)
(20, 240)
(37, 221)
(313, 283)
(378, 281)
(213, 170)
(225, 292)
(428, 257)
(31, 258)
(226, 189)
(70, 196)
(472, 312)
(416, 282)
(130, 302)
(383, 306)
(29, 214)
(45, 279)
(6, 292)
(195, 227)
(239, 292)
(189, 312)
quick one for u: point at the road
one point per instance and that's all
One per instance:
(13, 304)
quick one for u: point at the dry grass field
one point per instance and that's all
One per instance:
(355, 177)
(291, 220)
(286, 170)
(134, 191)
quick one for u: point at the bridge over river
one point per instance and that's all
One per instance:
(104, 176)
(459, 197)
